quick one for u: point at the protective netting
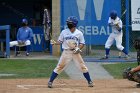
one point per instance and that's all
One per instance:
(99, 50)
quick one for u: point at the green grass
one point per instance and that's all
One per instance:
(28, 68)
(116, 69)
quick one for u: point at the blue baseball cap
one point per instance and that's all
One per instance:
(24, 20)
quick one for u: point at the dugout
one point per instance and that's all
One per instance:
(12, 11)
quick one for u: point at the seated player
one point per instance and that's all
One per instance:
(24, 36)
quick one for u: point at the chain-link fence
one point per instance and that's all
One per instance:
(98, 51)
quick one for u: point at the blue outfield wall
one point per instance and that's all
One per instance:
(92, 17)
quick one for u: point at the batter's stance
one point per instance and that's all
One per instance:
(72, 41)
(116, 24)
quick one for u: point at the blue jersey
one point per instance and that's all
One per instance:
(24, 33)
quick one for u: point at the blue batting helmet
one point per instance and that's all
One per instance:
(24, 20)
(73, 20)
(113, 14)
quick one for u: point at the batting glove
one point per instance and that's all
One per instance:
(53, 42)
(77, 50)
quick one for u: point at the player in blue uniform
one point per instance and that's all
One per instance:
(24, 36)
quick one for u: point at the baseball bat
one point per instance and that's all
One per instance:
(123, 13)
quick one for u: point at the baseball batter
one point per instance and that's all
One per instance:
(72, 41)
(116, 24)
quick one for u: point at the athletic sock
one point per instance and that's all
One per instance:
(125, 52)
(28, 48)
(53, 76)
(87, 76)
(107, 51)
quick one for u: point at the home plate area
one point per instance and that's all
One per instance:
(67, 86)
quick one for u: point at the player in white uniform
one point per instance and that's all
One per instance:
(116, 24)
(72, 41)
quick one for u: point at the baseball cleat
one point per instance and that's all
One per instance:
(127, 57)
(90, 84)
(49, 84)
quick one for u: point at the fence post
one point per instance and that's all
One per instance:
(7, 43)
(127, 25)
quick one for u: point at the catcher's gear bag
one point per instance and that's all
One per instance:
(132, 76)
(21, 42)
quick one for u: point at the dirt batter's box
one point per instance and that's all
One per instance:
(7, 39)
